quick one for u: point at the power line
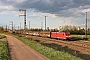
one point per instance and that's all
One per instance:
(45, 6)
(36, 3)
(49, 4)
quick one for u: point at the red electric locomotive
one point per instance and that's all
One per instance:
(60, 35)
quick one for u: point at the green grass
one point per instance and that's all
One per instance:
(51, 53)
(4, 54)
(80, 37)
(66, 49)
(2, 36)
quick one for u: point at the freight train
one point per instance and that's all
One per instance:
(57, 35)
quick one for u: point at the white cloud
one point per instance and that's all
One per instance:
(9, 7)
(3, 13)
(17, 1)
(53, 15)
(20, 1)
(85, 10)
(17, 13)
(83, 24)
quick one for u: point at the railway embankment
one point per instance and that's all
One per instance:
(52, 49)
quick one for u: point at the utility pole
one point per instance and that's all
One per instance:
(20, 28)
(6, 27)
(42, 25)
(86, 26)
(45, 22)
(24, 20)
(29, 25)
(12, 26)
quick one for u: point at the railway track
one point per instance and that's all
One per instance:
(81, 46)
(82, 42)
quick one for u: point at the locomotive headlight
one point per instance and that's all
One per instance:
(66, 36)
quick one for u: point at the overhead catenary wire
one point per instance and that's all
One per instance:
(36, 3)
(42, 7)
(48, 5)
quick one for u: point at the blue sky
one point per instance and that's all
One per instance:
(58, 12)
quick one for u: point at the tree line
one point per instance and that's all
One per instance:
(75, 30)
(66, 28)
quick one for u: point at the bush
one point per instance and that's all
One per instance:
(4, 54)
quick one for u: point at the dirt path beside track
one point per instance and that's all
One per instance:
(20, 51)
